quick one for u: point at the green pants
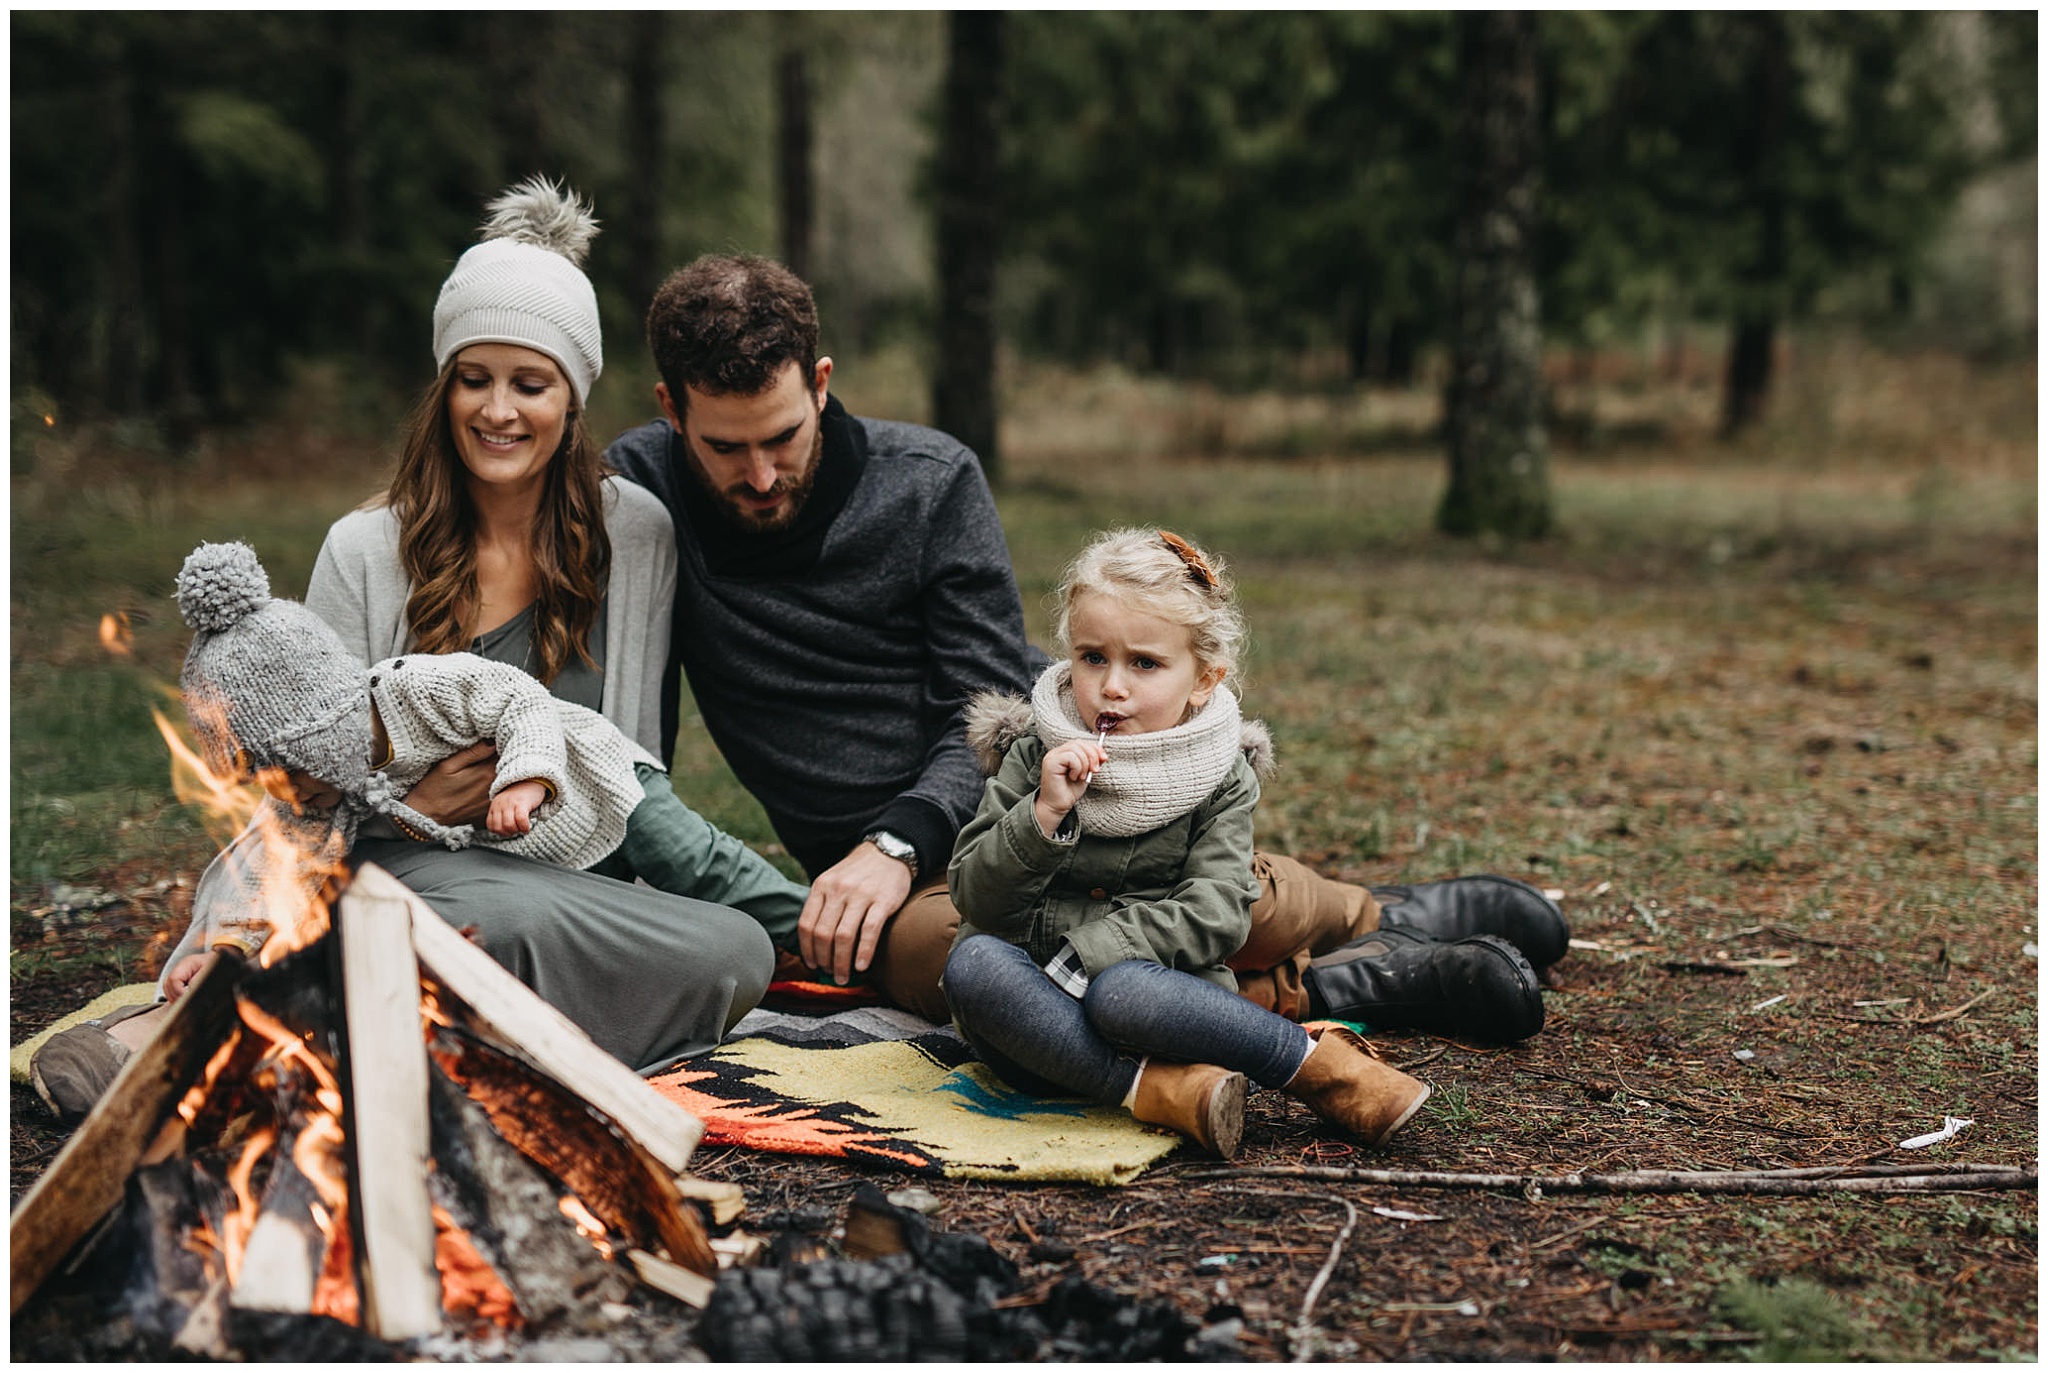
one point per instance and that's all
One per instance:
(680, 852)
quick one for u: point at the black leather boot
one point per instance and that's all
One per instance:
(1475, 988)
(1465, 906)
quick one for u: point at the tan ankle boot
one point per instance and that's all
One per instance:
(1202, 1101)
(1354, 1091)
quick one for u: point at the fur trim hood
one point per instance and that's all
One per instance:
(995, 720)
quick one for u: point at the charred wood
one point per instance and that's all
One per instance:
(511, 1213)
(624, 1187)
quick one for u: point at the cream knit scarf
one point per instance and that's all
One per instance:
(1149, 778)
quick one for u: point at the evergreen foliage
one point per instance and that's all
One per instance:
(202, 198)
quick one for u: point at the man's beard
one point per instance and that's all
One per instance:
(730, 502)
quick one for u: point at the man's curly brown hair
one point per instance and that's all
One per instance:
(729, 325)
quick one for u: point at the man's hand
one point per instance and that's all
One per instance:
(850, 903)
(457, 790)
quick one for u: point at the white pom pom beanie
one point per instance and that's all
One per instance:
(524, 285)
(266, 682)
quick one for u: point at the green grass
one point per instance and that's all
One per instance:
(1786, 684)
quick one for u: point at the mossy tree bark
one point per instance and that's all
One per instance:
(1499, 464)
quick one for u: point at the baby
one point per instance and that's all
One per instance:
(272, 692)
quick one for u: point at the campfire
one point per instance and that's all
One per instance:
(371, 1122)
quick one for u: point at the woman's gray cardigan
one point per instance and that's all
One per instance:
(360, 588)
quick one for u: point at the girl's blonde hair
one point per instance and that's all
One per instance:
(1159, 573)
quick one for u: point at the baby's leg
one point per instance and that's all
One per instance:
(1033, 1034)
(138, 1030)
(1152, 1009)
(682, 853)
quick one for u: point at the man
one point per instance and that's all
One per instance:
(844, 588)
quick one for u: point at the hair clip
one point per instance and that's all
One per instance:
(1197, 565)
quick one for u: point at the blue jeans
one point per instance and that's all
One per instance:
(1040, 1040)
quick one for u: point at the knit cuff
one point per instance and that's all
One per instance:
(928, 829)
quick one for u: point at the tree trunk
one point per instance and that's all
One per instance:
(347, 195)
(793, 158)
(1499, 467)
(1747, 381)
(121, 362)
(646, 152)
(964, 378)
(516, 54)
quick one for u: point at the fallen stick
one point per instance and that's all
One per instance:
(1304, 1328)
(1766, 1182)
(1954, 1011)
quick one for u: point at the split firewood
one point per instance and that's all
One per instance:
(691, 1289)
(725, 1201)
(90, 1173)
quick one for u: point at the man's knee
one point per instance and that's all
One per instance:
(912, 956)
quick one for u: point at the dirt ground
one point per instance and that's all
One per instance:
(1656, 1054)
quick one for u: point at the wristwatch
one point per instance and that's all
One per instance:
(896, 847)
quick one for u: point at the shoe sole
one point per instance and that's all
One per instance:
(1406, 1115)
(1225, 1116)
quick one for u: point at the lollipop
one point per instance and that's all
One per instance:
(1104, 723)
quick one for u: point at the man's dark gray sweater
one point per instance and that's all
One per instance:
(831, 661)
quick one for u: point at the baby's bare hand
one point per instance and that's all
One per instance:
(512, 809)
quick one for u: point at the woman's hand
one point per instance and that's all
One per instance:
(1062, 777)
(512, 809)
(457, 790)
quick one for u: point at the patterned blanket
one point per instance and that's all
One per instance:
(883, 1087)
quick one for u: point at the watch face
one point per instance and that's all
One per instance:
(894, 847)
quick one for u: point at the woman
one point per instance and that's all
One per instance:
(501, 535)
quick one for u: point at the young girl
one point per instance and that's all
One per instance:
(1107, 874)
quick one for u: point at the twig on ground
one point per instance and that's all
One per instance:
(1126, 1229)
(1766, 1182)
(1304, 1327)
(1953, 1011)
(1563, 1235)
(1915, 1022)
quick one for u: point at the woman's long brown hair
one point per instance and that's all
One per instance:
(572, 552)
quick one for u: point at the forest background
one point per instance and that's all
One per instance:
(1765, 688)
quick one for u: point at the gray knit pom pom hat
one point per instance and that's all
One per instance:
(266, 682)
(524, 284)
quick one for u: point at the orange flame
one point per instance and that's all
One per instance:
(225, 803)
(289, 871)
(468, 1286)
(587, 1225)
(115, 636)
(235, 1228)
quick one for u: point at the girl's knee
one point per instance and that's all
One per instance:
(975, 969)
(1124, 998)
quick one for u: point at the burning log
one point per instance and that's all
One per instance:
(379, 1128)
(509, 1210)
(388, 1107)
(92, 1170)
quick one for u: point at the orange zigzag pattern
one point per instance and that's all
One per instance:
(776, 1128)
